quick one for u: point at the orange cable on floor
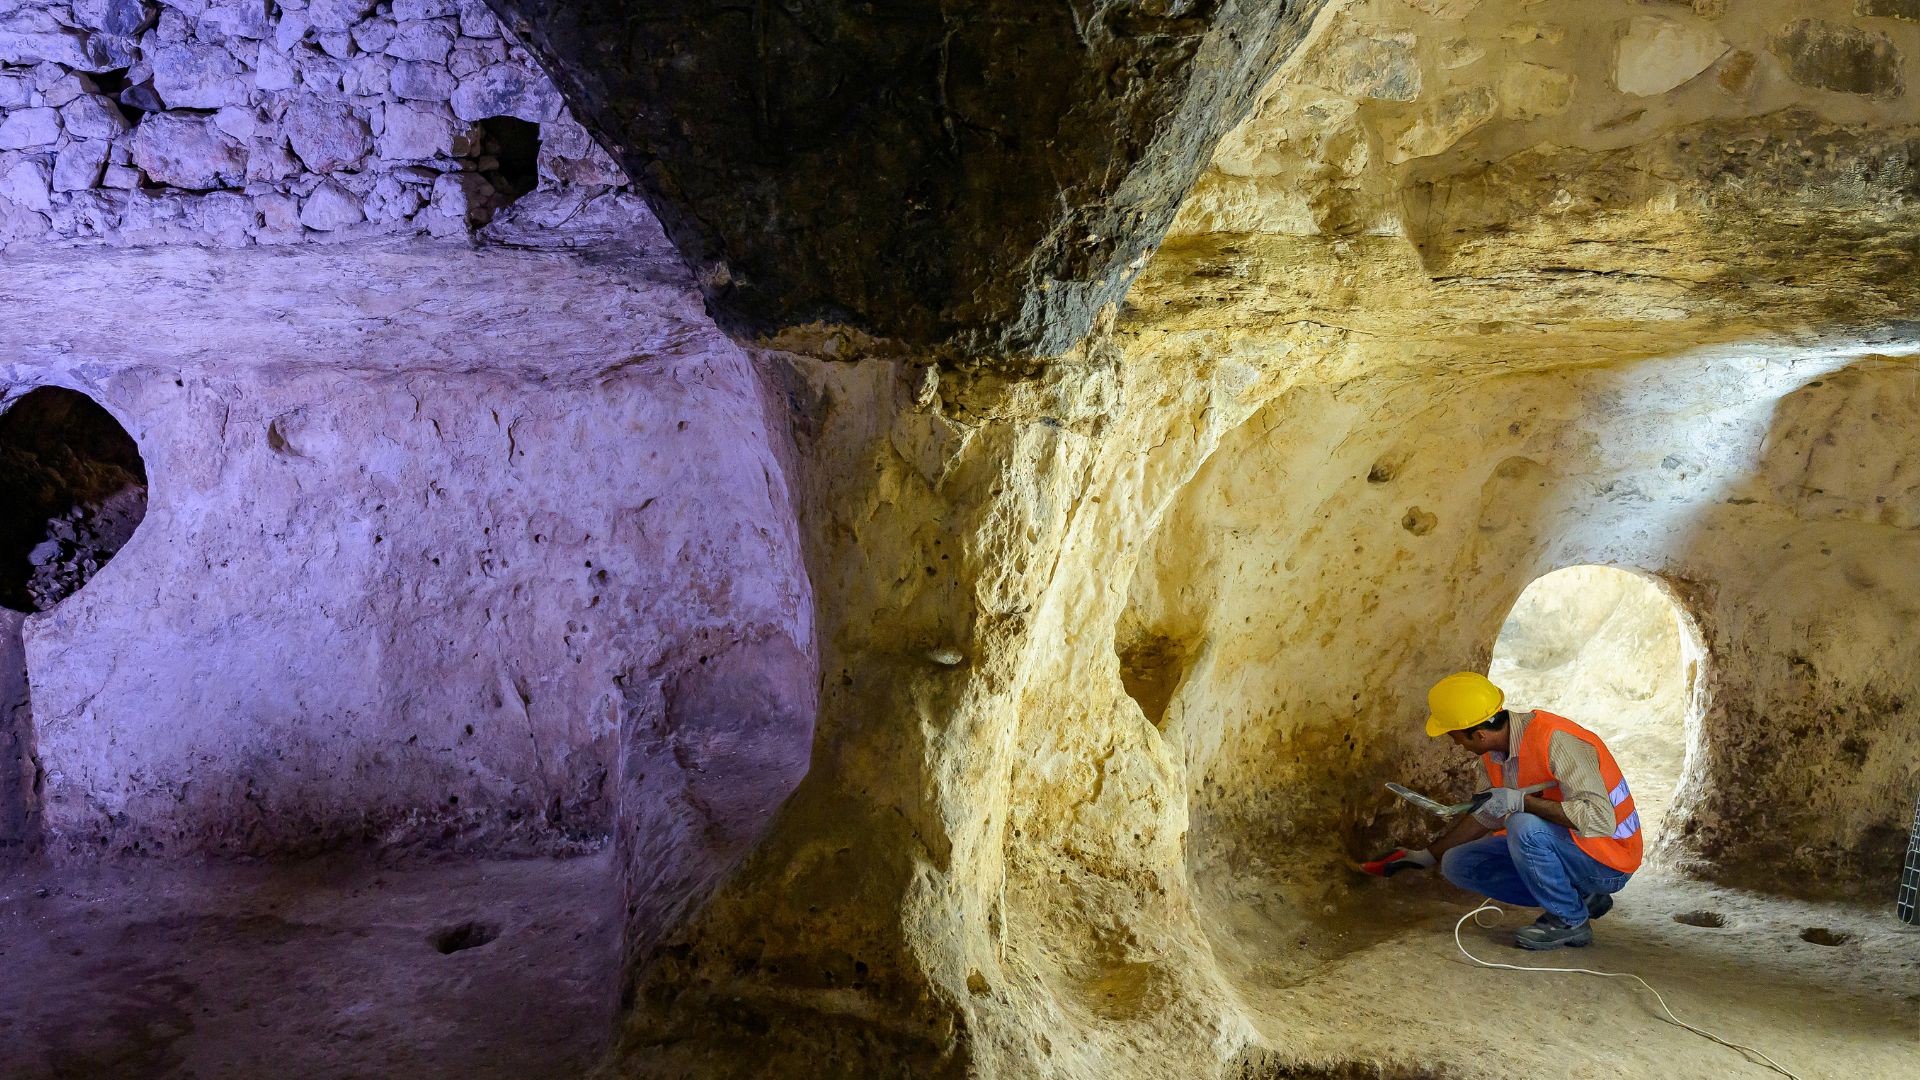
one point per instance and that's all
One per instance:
(1677, 1022)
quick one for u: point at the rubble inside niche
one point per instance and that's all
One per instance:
(81, 541)
(131, 122)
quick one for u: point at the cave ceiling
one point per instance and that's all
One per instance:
(974, 178)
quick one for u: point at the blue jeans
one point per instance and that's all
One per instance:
(1536, 864)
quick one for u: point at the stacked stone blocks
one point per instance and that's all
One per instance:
(231, 122)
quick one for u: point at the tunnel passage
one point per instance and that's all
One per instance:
(1328, 607)
(74, 487)
(1610, 650)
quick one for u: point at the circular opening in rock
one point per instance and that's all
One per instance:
(1711, 919)
(1820, 935)
(466, 935)
(74, 488)
(1611, 651)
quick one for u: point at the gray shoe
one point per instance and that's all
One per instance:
(1547, 933)
(1599, 905)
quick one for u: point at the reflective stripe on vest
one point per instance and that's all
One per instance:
(1631, 825)
(1622, 850)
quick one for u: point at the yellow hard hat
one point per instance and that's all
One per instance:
(1462, 700)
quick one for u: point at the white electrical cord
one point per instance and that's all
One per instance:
(1475, 916)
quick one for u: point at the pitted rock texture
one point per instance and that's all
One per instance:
(248, 122)
(984, 177)
(1841, 58)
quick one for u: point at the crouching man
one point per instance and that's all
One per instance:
(1567, 848)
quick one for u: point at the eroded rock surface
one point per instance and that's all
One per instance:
(1397, 359)
(1116, 644)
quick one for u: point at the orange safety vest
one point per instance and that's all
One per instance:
(1622, 850)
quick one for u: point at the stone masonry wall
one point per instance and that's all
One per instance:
(232, 122)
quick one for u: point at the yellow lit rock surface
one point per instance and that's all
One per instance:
(1402, 354)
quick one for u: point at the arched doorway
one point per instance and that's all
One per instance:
(1611, 650)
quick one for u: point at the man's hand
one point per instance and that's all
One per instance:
(1397, 860)
(1499, 803)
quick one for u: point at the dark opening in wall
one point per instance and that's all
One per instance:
(114, 85)
(72, 490)
(1151, 668)
(509, 156)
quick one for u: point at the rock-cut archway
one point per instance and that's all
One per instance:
(1612, 650)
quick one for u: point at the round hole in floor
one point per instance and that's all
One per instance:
(466, 935)
(1711, 919)
(1820, 935)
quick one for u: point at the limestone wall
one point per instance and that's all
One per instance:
(1328, 597)
(237, 122)
(1389, 94)
(471, 579)
(1192, 580)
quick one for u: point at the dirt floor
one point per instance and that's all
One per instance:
(1828, 991)
(341, 968)
(331, 968)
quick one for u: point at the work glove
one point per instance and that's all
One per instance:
(1498, 804)
(1397, 860)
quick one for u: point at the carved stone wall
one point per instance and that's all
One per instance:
(238, 122)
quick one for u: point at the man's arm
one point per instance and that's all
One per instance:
(1585, 806)
(1552, 811)
(1464, 831)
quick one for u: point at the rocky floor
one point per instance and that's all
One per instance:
(1826, 990)
(330, 968)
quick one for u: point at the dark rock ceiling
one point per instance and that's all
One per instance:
(980, 178)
